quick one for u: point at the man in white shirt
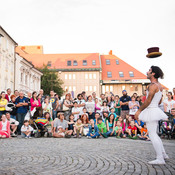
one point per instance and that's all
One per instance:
(75, 111)
(81, 103)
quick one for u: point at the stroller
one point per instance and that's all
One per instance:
(167, 127)
(40, 128)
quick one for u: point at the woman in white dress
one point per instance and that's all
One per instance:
(150, 113)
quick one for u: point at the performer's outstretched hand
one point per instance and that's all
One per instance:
(137, 115)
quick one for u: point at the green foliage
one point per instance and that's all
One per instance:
(51, 81)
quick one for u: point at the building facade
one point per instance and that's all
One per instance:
(7, 61)
(28, 78)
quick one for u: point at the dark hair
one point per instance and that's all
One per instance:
(46, 114)
(110, 117)
(1, 94)
(158, 72)
(60, 113)
(79, 95)
(99, 119)
(75, 102)
(70, 116)
(33, 94)
(105, 102)
(171, 94)
(25, 121)
(8, 89)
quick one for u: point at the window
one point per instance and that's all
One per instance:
(70, 88)
(73, 76)
(84, 62)
(94, 76)
(90, 76)
(86, 88)
(74, 88)
(131, 74)
(95, 88)
(21, 77)
(107, 88)
(75, 63)
(117, 62)
(26, 80)
(121, 74)
(65, 88)
(103, 89)
(70, 76)
(123, 87)
(107, 62)
(111, 88)
(65, 76)
(68, 63)
(94, 62)
(109, 74)
(49, 63)
(90, 88)
(86, 76)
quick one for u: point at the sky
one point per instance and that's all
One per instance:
(127, 27)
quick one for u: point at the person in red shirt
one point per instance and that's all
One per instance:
(144, 97)
(132, 130)
(7, 96)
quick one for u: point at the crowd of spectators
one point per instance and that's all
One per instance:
(87, 115)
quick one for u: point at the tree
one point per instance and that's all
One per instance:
(51, 81)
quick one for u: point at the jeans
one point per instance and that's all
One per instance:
(24, 135)
(109, 132)
(96, 135)
(54, 114)
(13, 116)
(20, 119)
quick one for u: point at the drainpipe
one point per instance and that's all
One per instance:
(14, 86)
(100, 77)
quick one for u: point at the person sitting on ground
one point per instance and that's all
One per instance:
(4, 127)
(85, 122)
(123, 125)
(75, 111)
(97, 115)
(112, 111)
(110, 124)
(139, 124)
(102, 127)
(71, 123)
(105, 116)
(144, 133)
(50, 122)
(118, 129)
(60, 132)
(93, 130)
(13, 124)
(132, 130)
(26, 129)
(78, 128)
(61, 122)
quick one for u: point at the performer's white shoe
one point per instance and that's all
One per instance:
(156, 162)
(165, 156)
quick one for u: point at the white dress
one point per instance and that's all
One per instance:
(153, 112)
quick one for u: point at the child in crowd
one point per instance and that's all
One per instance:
(85, 122)
(71, 123)
(4, 127)
(26, 129)
(144, 133)
(75, 111)
(78, 128)
(112, 111)
(102, 128)
(132, 130)
(93, 130)
(60, 132)
(118, 129)
(97, 116)
(139, 124)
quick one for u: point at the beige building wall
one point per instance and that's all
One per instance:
(7, 61)
(79, 81)
(116, 89)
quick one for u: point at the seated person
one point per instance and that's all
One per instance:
(139, 124)
(85, 122)
(61, 122)
(50, 122)
(123, 125)
(78, 128)
(71, 123)
(102, 128)
(97, 115)
(13, 124)
(26, 129)
(112, 111)
(110, 124)
(93, 130)
(118, 129)
(4, 127)
(144, 133)
(60, 132)
(132, 130)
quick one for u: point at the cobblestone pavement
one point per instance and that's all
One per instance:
(81, 156)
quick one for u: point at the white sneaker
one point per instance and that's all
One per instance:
(165, 156)
(156, 162)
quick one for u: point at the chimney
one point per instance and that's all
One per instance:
(110, 52)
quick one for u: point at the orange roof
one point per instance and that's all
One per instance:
(32, 49)
(59, 61)
(115, 68)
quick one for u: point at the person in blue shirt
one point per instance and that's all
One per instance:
(113, 112)
(97, 116)
(21, 103)
(139, 124)
(93, 130)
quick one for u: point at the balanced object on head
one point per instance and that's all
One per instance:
(153, 52)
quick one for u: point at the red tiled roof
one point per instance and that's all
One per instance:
(121, 67)
(59, 61)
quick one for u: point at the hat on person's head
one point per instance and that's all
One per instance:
(124, 91)
(60, 127)
(153, 52)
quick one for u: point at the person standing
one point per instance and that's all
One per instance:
(150, 113)
(55, 104)
(7, 96)
(22, 107)
(169, 103)
(124, 100)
